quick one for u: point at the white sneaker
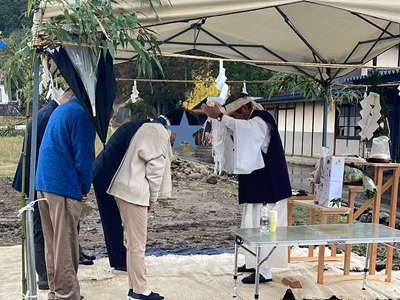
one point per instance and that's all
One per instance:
(119, 271)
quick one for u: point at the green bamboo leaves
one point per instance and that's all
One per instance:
(18, 68)
(100, 24)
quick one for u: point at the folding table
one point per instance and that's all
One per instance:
(360, 233)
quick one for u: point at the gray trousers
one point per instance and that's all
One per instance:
(60, 217)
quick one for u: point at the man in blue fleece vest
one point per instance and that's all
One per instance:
(64, 175)
(43, 117)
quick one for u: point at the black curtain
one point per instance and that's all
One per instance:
(105, 89)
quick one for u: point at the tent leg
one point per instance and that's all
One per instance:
(30, 249)
(325, 124)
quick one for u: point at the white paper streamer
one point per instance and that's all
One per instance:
(46, 76)
(220, 81)
(370, 115)
(244, 90)
(218, 138)
(135, 93)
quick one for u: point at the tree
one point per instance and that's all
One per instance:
(202, 89)
(141, 110)
(12, 16)
(77, 23)
(169, 95)
(310, 89)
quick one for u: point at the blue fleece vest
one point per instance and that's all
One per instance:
(66, 154)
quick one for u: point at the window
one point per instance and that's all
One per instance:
(347, 121)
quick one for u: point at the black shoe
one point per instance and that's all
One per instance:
(243, 269)
(152, 296)
(43, 285)
(251, 279)
(89, 257)
(84, 261)
(80, 298)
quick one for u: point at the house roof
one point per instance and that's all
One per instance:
(382, 72)
(295, 96)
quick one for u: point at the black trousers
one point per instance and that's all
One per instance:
(112, 226)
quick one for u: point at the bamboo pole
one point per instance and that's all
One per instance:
(247, 81)
(257, 62)
(23, 183)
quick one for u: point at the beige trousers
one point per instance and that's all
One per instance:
(60, 217)
(134, 221)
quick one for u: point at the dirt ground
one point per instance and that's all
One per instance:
(198, 214)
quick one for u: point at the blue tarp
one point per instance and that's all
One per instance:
(188, 251)
(3, 44)
(158, 251)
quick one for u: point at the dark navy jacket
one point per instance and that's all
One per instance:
(271, 183)
(43, 117)
(107, 162)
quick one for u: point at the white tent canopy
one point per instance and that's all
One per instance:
(323, 31)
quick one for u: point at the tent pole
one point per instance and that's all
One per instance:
(325, 123)
(394, 129)
(30, 249)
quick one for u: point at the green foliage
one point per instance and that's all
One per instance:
(11, 132)
(5, 53)
(202, 89)
(374, 79)
(171, 94)
(12, 16)
(230, 189)
(80, 21)
(19, 66)
(10, 152)
(244, 72)
(348, 95)
(310, 89)
(141, 110)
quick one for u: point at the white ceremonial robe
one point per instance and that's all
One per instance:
(245, 139)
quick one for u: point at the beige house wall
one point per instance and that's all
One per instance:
(301, 128)
(347, 146)
(390, 58)
(304, 126)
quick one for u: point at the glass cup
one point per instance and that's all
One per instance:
(273, 219)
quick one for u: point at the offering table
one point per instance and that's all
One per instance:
(311, 235)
